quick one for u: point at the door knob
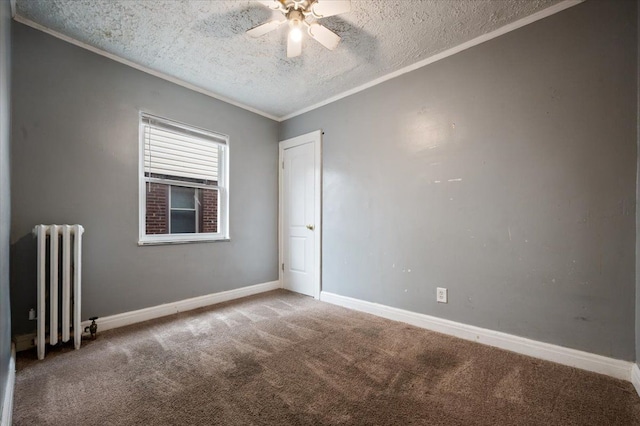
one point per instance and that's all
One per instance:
(310, 227)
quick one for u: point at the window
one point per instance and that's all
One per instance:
(183, 182)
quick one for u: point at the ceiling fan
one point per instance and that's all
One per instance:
(296, 13)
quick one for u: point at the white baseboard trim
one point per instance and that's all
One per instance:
(133, 317)
(635, 377)
(546, 351)
(7, 404)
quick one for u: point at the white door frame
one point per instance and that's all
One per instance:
(316, 138)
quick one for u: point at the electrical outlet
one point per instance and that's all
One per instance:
(32, 314)
(441, 295)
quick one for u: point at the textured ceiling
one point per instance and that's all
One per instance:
(204, 42)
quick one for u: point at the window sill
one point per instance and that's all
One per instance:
(171, 242)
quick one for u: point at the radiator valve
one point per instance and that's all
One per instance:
(93, 328)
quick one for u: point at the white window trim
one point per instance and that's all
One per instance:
(223, 194)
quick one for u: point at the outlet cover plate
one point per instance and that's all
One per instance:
(441, 295)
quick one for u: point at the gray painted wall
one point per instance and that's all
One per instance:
(505, 173)
(75, 160)
(5, 208)
(637, 209)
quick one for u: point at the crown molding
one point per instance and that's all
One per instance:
(552, 10)
(142, 68)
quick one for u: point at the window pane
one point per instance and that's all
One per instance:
(159, 214)
(182, 198)
(183, 222)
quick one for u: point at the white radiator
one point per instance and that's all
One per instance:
(68, 265)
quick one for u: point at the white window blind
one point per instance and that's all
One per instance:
(174, 151)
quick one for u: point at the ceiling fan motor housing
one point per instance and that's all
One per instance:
(295, 15)
(303, 5)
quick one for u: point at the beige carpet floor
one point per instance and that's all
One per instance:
(285, 359)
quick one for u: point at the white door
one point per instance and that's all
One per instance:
(300, 214)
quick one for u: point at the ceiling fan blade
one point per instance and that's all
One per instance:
(271, 4)
(324, 36)
(324, 8)
(294, 48)
(262, 29)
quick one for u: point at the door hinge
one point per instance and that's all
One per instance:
(283, 164)
(283, 266)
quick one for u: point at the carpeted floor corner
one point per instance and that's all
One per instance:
(284, 359)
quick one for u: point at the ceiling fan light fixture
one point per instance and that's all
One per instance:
(296, 13)
(296, 31)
